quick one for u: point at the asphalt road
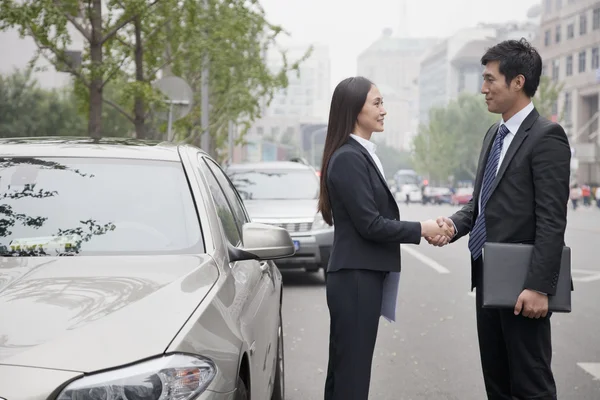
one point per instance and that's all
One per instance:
(431, 352)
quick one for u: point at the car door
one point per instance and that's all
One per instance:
(261, 313)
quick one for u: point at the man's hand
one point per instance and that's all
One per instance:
(532, 304)
(442, 240)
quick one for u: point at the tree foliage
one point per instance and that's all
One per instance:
(128, 44)
(26, 109)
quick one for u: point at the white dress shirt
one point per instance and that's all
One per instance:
(371, 148)
(513, 125)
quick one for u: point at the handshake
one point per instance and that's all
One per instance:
(439, 232)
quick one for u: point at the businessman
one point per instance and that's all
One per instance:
(520, 196)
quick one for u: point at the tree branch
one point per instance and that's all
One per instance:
(119, 109)
(169, 61)
(113, 31)
(114, 71)
(58, 54)
(155, 30)
(86, 34)
(124, 43)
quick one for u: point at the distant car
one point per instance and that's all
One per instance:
(437, 195)
(131, 270)
(411, 190)
(462, 196)
(285, 194)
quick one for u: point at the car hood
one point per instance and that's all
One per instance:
(91, 313)
(281, 209)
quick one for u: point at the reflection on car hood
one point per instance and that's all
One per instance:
(91, 313)
(281, 209)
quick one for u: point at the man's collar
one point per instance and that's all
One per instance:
(367, 144)
(514, 123)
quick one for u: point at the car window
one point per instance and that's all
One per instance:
(275, 184)
(76, 206)
(232, 231)
(231, 194)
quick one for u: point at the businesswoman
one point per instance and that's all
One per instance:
(368, 232)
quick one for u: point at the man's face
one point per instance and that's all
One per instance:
(499, 96)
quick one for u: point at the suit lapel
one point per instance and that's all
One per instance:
(487, 147)
(365, 152)
(519, 138)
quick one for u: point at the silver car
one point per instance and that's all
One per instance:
(285, 194)
(130, 270)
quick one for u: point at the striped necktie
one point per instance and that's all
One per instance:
(478, 235)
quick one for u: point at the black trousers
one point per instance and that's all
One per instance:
(354, 301)
(516, 353)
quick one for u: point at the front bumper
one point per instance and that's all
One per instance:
(208, 395)
(312, 248)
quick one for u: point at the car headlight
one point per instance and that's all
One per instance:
(175, 377)
(319, 222)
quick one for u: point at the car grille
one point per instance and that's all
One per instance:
(294, 226)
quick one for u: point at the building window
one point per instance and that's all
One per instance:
(568, 106)
(570, 31)
(544, 70)
(555, 70)
(569, 66)
(582, 61)
(583, 24)
(548, 6)
(595, 58)
(596, 19)
(547, 38)
(557, 38)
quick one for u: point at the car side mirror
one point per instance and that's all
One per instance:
(262, 242)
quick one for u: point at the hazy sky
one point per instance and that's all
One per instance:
(350, 26)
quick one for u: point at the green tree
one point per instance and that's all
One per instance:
(28, 110)
(449, 145)
(235, 37)
(546, 95)
(47, 22)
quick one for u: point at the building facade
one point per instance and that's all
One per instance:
(392, 63)
(306, 100)
(454, 66)
(570, 47)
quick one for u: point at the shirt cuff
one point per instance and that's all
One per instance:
(455, 230)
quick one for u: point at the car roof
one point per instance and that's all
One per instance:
(269, 165)
(85, 147)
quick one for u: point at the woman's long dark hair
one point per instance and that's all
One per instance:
(347, 101)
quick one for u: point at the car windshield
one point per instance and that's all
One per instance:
(276, 184)
(68, 207)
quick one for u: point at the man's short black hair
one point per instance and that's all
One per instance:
(517, 57)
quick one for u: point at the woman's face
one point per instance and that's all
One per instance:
(372, 114)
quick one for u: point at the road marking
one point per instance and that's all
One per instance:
(592, 369)
(589, 276)
(426, 260)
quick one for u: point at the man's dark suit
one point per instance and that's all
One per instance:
(366, 247)
(528, 204)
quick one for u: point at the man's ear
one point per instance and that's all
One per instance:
(518, 83)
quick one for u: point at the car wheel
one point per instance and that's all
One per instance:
(242, 392)
(279, 387)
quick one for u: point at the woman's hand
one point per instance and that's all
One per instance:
(431, 228)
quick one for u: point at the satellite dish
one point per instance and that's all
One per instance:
(179, 98)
